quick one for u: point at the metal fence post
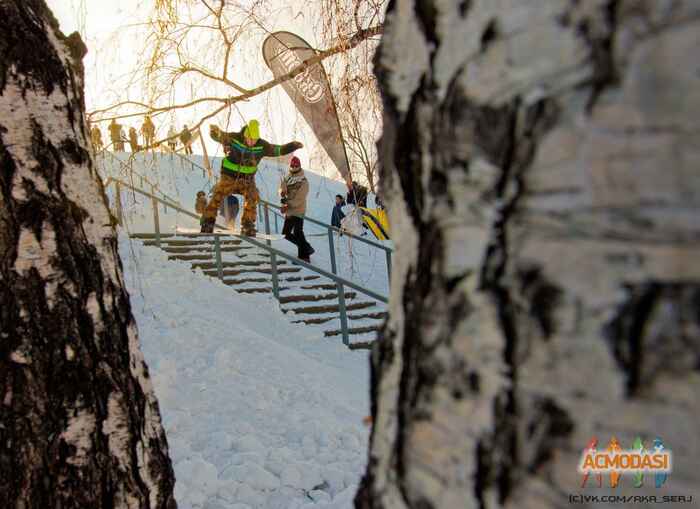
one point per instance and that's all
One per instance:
(331, 248)
(275, 278)
(261, 215)
(156, 220)
(277, 230)
(217, 254)
(388, 265)
(118, 200)
(343, 314)
(267, 223)
(273, 257)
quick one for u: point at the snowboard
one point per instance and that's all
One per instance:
(223, 231)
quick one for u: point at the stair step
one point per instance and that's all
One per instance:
(353, 330)
(302, 278)
(233, 282)
(204, 249)
(329, 308)
(324, 319)
(242, 263)
(253, 270)
(361, 345)
(150, 235)
(254, 290)
(320, 286)
(204, 242)
(200, 256)
(286, 299)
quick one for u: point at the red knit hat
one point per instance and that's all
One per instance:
(295, 162)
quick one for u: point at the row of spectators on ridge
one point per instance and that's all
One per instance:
(118, 137)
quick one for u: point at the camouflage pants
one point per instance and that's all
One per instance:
(227, 185)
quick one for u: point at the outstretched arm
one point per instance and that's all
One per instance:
(221, 136)
(272, 150)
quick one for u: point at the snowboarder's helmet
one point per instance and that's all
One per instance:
(295, 162)
(252, 130)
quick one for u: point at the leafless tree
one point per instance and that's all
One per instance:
(540, 161)
(202, 45)
(79, 422)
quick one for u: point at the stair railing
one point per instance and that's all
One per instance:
(341, 283)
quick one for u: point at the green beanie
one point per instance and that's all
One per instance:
(252, 130)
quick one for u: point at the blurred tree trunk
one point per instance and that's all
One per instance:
(540, 166)
(79, 423)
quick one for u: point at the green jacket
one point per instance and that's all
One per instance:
(241, 158)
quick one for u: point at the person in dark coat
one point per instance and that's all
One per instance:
(116, 134)
(186, 139)
(357, 195)
(337, 214)
(133, 140)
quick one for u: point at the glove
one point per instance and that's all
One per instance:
(213, 131)
(297, 145)
(283, 200)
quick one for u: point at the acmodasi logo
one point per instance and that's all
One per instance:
(616, 462)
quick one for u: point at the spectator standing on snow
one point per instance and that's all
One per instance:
(357, 195)
(133, 140)
(116, 134)
(201, 202)
(294, 190)
(186, 139)
(172, 138)
(337, 214)
(149, 132)
(96, 137)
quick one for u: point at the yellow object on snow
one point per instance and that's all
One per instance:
(377, 221)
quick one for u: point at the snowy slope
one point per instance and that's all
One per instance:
(258, 413)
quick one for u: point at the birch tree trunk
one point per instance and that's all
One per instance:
(540, 163)
(79, 422)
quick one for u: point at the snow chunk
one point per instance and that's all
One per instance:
(253, 475)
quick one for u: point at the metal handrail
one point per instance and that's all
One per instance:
(141, 176)
(341, 282)
(307, 218)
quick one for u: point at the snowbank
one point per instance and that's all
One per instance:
(259, 413)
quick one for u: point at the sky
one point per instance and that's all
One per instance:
(113, 36)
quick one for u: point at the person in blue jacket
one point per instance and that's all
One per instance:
(337, 214)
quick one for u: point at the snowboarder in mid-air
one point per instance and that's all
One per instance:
(244, 150)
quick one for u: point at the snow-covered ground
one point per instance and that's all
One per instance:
(259, 413)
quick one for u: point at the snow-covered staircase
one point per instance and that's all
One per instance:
(309, 298)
